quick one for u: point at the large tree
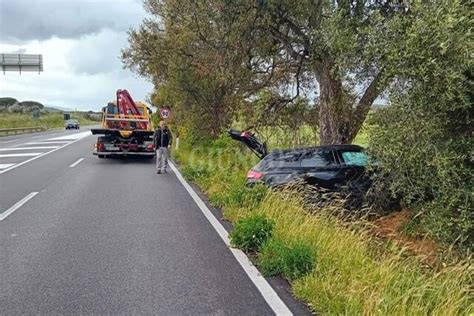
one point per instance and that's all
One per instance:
(336, 50)
(343, 54)
(191, 65)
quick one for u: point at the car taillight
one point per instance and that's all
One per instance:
(150, 146)
(100, 147)
(254, 175)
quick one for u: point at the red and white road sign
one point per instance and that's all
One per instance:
(165, 113)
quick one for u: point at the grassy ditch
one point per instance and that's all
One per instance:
(334, 267)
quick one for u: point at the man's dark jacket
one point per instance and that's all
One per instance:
(162, 138)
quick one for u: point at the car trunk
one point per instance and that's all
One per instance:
(258, 147)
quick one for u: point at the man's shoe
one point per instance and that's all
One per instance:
(158, 171)
(164, 170)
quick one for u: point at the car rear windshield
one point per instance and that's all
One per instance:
(355, 158)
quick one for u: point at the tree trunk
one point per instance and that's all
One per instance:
(334, 109)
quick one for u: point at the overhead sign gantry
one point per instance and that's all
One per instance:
(21, 62)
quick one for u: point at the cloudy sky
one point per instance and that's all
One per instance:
(80, 41)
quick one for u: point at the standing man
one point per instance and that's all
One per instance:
(162, 141)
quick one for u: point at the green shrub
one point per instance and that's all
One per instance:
(423, 139)
(194, 171)
(239, 195)
(429, 164)
(223, 142)
(292, 260)
(298, 260)
(270, 259)
(251, 232)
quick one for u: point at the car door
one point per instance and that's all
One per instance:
(321, 168)
(353, 166)
(282, 167)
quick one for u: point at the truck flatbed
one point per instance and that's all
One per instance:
(108, 131)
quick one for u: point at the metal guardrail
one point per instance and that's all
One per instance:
(21, 130)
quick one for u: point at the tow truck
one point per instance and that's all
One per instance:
(126, 127)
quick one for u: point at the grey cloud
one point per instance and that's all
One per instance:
(23, 20)
(98, 53)
(17, 51)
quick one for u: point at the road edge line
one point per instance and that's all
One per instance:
(42, 155)
(265, 289)
(17, 205)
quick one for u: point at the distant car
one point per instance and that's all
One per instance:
(72, 124)
(331, 167)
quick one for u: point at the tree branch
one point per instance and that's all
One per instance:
(285, 41)
(360, 112)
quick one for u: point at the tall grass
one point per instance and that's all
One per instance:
(354, 273)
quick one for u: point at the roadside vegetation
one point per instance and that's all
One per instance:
(333, 266)
(47, 120)
(312, 72)
(16, 114)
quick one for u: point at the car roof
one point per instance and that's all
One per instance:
(350, 147)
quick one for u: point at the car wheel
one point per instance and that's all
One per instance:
(101, 156)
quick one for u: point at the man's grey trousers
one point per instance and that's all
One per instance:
(162, 155)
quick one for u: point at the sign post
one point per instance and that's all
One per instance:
(165, 114)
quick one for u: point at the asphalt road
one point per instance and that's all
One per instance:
(82, 235)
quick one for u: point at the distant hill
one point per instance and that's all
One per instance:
(53, 108)
(14, 106)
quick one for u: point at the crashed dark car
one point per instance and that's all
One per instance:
(331, 167)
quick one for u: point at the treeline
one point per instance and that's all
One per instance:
(323, 64)
(14, 106)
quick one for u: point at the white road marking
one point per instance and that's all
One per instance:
(9, 141)
(38, 136)
(19, 155)
(76, 163)
(28, 148)
(72, 136)
(42, 155)
(5, 165)
(17, 205)
(57, 142)
(268, 293)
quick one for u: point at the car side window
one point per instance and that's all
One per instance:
(355, 158)
(318, 159)
(289, 159)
